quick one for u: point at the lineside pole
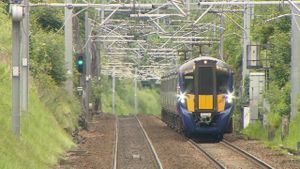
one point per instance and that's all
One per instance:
(88, 57)
(135, 92)
(221, 45)
(246, 42)
(17, 15)
(113, 90)
(69, 47)
(25, 58)
(188, 7)
(295, 60)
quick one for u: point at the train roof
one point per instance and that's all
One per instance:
(189, 64)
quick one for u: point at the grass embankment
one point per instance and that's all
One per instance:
(43, 136)
(258, 131)
(43, 128)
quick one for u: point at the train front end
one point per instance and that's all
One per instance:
(205, 99)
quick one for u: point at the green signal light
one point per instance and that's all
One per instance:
(80, 62)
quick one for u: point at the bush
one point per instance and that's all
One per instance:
(256, 130)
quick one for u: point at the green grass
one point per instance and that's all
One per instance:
(43, 137)
(149, 101)
(5, 35)
(257, 131)
(294, 134)
(148, 98)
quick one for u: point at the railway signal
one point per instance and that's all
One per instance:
(80, 63)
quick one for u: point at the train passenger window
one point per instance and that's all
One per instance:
(222, 82)
(189, 83)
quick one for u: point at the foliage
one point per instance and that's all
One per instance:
(5, 37)
(47, 44)
(256, 130)
(148, 98)
(281, 58)
(276, 34)
(50, 19)
(279, 99)
(51, 111)
(148, 101)
(294, 136)
(47, 56)
(43, 136)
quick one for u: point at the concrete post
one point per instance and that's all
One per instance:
(88, 58)
(25, 58)
(246, 38)
(69, 47)
(135, 92)
(113, 90)
(295, 60)
(16, 62)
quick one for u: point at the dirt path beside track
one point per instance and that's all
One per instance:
(95, 150)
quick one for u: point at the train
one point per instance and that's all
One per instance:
(197, 98)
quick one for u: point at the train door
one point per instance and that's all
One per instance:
(205, 90)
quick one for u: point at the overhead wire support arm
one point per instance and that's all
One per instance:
(159, 27)
(154, 10)
(179, 9)
(109, 16)
(203, 14)
(92, 5)
(292, 3)
(152, 6)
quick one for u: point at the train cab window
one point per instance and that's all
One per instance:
(222, 82)
(189, 83)
(206, 82)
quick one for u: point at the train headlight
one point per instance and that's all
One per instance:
(229, 97)
(181, 97)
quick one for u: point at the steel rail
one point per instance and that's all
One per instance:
(246, 154)
(150, 144)
(210, 157)
(116, 143)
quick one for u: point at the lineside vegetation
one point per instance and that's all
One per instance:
(45, 129)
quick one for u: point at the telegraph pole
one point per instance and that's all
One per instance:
(102, 15)
(246, 38)
(87, 65)
(221, 45)
(295, 60)
(113, 90)
(25, 58)
(135, 92)
(17, 16)
(69, 47)
(188, 7)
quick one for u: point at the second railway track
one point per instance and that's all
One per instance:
(133, 149)
(226, 155)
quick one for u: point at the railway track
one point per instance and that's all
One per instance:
(226, 155)
(133, 148)
(219, 163)
(256, 160)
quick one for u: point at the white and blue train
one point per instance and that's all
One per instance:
(197, 98)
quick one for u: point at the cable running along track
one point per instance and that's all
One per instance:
(133, 148)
